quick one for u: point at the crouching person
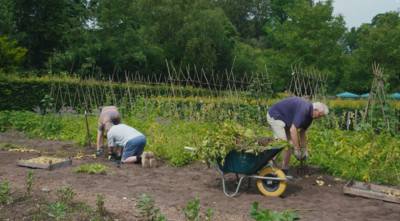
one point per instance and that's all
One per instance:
(131, 143)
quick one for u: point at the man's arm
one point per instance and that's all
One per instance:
(295, 136)
(303, 137)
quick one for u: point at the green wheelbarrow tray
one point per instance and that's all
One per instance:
(270, 181)
(247, 163)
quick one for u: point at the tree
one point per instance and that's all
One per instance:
(378, 42)
(6, 18)
(190, 32)
(41, 25)
(248, 16)
(309, 37)
(11, 55)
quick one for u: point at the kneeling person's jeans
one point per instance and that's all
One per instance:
(134, 147)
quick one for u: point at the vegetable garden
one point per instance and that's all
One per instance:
(173, 114)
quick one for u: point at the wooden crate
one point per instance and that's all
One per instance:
(371, 191)
(50, 166)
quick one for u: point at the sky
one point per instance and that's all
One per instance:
(357, 12)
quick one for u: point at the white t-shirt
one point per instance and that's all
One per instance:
(121, 134)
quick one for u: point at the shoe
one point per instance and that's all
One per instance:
(145, 159)
(152, 161)
(98, 153)
(118, 157)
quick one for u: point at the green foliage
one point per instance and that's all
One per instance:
(359, 156)
(309, 38)
(267, 215)
(229, 137)
(30, 183)
(66, 195)
(100, 205)
(11, 56)
(4, 191)
(146, 208)
(58, 211)
(90, 168)
(6, 17)
(192, 210)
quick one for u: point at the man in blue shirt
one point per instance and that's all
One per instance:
(287, 116)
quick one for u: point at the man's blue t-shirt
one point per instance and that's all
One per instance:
(293, 110)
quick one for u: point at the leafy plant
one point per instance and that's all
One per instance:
(192, 209)
(58, 211)
(66, 195)
(209, 214)
(100, 205)
(146, 208)
(232, 137)
(267, 215)
(90, 168)
(4, 191)
(30, 183)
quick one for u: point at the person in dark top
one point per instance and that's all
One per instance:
(287, 116)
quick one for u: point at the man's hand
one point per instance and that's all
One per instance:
(305, 153)
(297, 153)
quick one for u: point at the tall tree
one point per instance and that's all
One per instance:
(310, 36)
(378, 42)
(248, 16)
(6, 18)
(41, 25)
(191, 32)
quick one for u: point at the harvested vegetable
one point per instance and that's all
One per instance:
(44, 160)
(24, 150)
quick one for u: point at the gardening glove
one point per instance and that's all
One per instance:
(305, 154)
(297, 153)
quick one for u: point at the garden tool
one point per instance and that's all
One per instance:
(117, 161)
(87, 124)
(303, 169)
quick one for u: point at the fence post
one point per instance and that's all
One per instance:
(348, 120)
(355, 120)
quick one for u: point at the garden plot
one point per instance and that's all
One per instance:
(173, 187)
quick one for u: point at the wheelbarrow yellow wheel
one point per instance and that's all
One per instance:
(271, 187)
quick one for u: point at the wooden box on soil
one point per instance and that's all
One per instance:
(371, 191)
(51, 163)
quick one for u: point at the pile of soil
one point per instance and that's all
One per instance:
(173, 187)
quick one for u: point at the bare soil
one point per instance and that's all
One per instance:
(173, 187)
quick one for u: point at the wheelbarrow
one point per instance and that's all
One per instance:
(270, 181)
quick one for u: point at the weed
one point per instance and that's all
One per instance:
(100, 205)
(30, 183)
(59, 211)
(209, 214)
(4, 191)
(192, 209)
(90, 168)
(146, 208)
(267, 215)
(66, 195)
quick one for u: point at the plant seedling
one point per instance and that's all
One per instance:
(30, 183)
(192, 209)
(58, 211)
(4, 191)
(146, 208)
(100, 205)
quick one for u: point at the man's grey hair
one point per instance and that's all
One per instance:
(108, 125)
(321, 107)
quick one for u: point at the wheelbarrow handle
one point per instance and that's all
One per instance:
(188, 148)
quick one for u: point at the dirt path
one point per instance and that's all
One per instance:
(173, 187)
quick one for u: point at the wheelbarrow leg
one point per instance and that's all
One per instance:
(242, 187)
(223, 180)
